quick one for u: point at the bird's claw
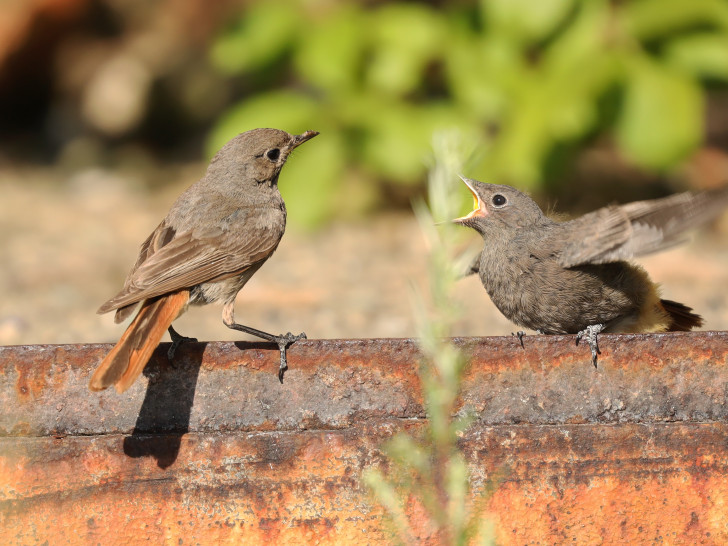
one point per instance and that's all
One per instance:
(519, 334)
(177, 340)
(284, 341)
(591, 333)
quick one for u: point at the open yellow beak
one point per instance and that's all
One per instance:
(478, 209)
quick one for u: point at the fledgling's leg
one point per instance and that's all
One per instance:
(177, 340)
(519, 334)
(591, 332)
(283, 341)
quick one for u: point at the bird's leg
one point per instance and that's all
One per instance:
(519, 334)
(177, 340)
(283, 341)
(591, 332)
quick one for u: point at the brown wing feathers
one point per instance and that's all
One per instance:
(619, 233)
(186, 261)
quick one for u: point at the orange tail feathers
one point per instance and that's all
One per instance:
(127, 359)
(681, 316)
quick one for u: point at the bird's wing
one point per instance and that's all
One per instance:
(183, 260)
(473, 267)
(621, 232)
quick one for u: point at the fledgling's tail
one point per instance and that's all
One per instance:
(127, 359)
(682, 319)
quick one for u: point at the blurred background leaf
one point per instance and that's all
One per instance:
(258, 37)
(661, 121)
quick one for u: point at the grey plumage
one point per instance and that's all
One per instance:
(562, 277)
(622, 232)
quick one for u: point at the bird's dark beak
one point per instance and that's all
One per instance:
(478, 208)
(300, 139)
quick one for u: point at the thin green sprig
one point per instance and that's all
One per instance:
(432, 470)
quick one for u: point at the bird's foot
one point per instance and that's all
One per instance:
(591, 332)
(284, 341)
(177, 340)
(519, 334)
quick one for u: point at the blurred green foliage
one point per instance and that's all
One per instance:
(518, 77)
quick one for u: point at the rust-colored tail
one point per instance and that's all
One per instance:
(681, 316)
(127, 359)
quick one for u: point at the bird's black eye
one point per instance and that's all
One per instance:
(498, 200)
(273, 154)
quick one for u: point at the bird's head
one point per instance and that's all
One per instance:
(258, 155)
(498, 207)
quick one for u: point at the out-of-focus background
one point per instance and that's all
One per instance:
(110, 108)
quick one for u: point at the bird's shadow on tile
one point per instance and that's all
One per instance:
(165, 413)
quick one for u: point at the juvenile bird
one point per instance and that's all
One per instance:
(572, 277)
(215, 237)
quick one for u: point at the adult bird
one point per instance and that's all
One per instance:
(217, 234)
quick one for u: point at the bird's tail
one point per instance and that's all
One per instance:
(127, 359)
(682, 319)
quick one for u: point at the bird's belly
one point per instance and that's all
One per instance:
(564, 301)
(223, 291)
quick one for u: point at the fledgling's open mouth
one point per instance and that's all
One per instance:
(478, 208)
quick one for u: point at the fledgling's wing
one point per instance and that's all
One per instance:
(473, 267)
(620, 232)
(183, 260)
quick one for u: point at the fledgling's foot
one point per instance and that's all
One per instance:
(177, 340)
(591, 332)
(519, 334)
(284, 341)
